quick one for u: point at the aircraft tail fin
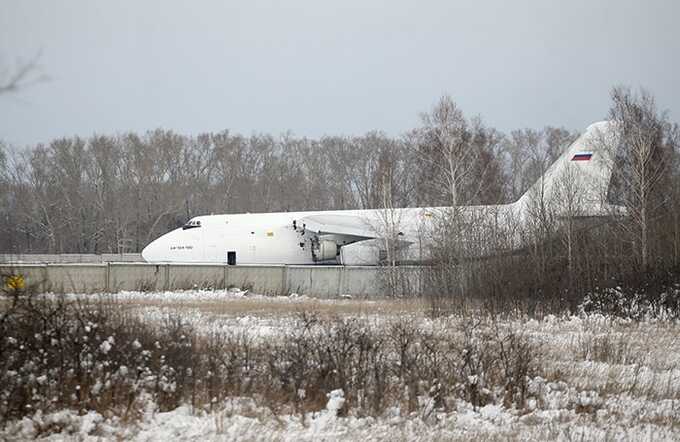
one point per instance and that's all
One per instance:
(578, 182)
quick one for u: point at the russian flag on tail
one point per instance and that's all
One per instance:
(582, 156)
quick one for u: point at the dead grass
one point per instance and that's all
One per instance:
(283, 306)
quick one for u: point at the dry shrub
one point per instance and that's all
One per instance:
(610, 347)
(57, 354)
(637, 296)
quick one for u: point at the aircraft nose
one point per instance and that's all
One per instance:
(151, 253)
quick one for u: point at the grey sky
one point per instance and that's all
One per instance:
(319, 67)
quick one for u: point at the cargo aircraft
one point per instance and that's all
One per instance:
(361, 237)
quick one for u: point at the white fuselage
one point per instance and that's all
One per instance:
(257, 238)
(270, 238)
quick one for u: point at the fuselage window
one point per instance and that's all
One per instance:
(191, 224)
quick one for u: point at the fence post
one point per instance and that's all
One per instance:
(44, 284)
(284, 280)
(107, 277)
(166, 283)
(225, 284)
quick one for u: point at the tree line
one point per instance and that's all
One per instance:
(97, 194)
(111, 193)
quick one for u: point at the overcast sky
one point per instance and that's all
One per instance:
(320, 67)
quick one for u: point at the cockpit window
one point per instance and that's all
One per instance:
(191, 224)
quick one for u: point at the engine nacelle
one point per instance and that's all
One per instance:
(361, 253)
(324, 250)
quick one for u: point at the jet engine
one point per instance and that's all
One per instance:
(324, 250)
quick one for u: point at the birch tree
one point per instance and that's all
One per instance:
(642, 165)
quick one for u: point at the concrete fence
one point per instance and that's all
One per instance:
(63, 258)
(319, 281)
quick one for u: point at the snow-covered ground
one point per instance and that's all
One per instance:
(234, 310)
(244, 423)
(597, 378)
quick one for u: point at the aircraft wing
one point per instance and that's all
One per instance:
(339, 225)
(347, 225)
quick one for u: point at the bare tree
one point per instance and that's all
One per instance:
(23, 74)
(443, 147)
(528, 153)
(568, 196)
(674, 206)
(642, 164)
